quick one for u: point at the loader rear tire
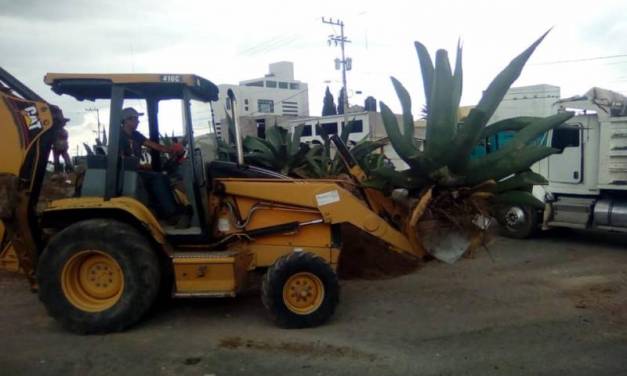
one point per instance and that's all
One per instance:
(300, 290)
(98, 276)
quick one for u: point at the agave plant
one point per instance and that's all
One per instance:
(445, 161)
(321, 163)
(453, 187)
(279, 151)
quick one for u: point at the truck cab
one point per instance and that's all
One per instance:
(587, 179)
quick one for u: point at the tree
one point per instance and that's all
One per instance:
(328, 107)
(370, 104)
(340, 102)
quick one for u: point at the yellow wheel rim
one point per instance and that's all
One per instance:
(303, 293)
(92, 281)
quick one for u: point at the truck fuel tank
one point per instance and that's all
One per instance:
(610, 212)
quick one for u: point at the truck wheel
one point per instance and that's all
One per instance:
(300, 290)
(98, 276)
(518, 221)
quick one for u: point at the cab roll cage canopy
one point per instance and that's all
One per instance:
(150, 87)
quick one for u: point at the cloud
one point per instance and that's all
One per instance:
(228, 42)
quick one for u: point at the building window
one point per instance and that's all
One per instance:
(282, 85)
(261, 128)
(293, 86)
(265, 105)
(270, 83)
(255, 83)
(245, 108)
(307, 130)
(329, 128)
(357, 126)
(289, 108)
(246, 101)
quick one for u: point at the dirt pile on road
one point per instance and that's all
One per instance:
(366, 257)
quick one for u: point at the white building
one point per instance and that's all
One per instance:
(276, 95)
(366, 125)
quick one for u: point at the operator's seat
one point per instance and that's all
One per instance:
(129, 183)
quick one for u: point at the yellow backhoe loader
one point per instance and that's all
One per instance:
(100, 259)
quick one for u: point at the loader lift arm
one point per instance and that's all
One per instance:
(29, 126)
(335, 204)
(12, 83)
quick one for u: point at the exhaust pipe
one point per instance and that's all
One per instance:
(238, 133)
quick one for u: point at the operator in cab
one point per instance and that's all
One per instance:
(157, 184)
(131, 141)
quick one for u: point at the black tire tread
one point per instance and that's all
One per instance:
(279, 272)
(123, 242)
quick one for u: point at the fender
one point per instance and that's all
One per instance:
(92, 207)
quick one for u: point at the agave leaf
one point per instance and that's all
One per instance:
(317, 163)
(276, 136)
(402, 179)
(521, 180)
(498, 88)
(297, 159)
(512, 124)
(326, 140)
(510, 163)
(538, 127)
(408, 119)
(346, 130)
(372, 161)
(520, 140)
(88, 149)
(363, 148)
(260, 145)
(426, 67)
(442, 116)
(458, 76)
(318, 160)
(404, 149)
(379, 184)
(519, 198)
(226, 152)
(258, 158)
(294, 145)
(468, 136)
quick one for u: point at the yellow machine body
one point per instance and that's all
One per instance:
(242, 224)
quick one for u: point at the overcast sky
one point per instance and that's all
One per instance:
(230, 41)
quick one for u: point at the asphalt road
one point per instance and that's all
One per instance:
(555, 305)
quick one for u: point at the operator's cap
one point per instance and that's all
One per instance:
(130, 112)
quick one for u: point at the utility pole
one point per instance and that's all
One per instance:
(97, 111)
(345, 63)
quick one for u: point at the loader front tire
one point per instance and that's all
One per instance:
(98, 276)
(300, 290)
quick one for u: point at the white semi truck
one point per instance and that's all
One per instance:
(588, 180)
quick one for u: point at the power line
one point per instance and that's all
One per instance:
(271, 44)
(580, 60)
